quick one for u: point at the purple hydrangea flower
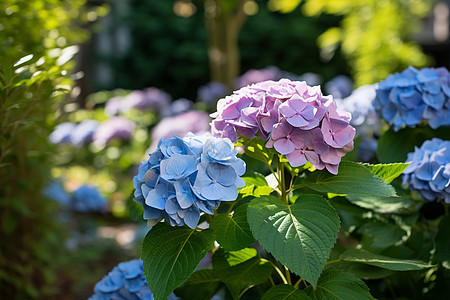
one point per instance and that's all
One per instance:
(257, 75)
(212, 91)
(429, 171)
(177, 107)
(83, 132)
(114, 106)
(125, 281)
(149, 98)
(192, 121)
(296, 119)
(88, 199)
(62, 133)
(114, 128)
(339, 87)
(185, 177)
(407, 98)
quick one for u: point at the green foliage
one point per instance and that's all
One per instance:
(362, 256)
(334, 284)
(352, 178)
(285, 292)
(300, 235)
(201, 285)
(442, 251)
(171, 254)
(240, 270)
(375, 36)
(388, 172)
(232, 231)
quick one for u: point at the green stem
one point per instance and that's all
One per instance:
(276, 269)
(298, 283)
(271, 281)
(288, 275)
(281, 182)
(333, 262)
(295, 187)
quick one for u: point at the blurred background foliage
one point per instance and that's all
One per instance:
(63, 60)
(376, 36)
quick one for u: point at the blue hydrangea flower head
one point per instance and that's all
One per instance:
(185, 177)
(62, 133)
(212, 91)
(125, 282)
(83, 132)
(408, 98)
(88, 199)
(55, 191)
(429, 171)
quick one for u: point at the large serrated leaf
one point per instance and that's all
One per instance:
(256, 179)
(171, 254)
(379, 235)
(361, 270)
(388, 172)
(238, 274)
(339, 285)
(352, 178)
(300, 235)
(285, 292)
(442, 240)
(381, 204)
(201, 285)
(232, 231)
(395, 264)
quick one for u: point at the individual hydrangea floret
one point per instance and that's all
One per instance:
(192, 121)
(114, 128)
(295, 119)
(429, 171)
(407, 98)
(185, 177)
(88, 199)
(211, 92)
(125, 281)
(62, 133)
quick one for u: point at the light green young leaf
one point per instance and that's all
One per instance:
(285, 292)
(395, 264)
(171, 254)
(352, 178)
(300, 235)
(388, 172)
(339, 285)
(232, 231)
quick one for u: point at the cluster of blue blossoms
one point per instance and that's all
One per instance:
(407, 98)
(186, 176)
(429, 171)
(125, 282)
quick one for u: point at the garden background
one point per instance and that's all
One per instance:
(88, 88)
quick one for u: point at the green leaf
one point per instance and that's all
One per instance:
(352, 178)
(361, 270)
(379, 235)
(171, 254)
(395, 264)
(300, 235)
(285, 292)
(237, 274)
(388, 172)
(339, 285)
(256, 149)
(201, 285)
(232, 231)
(256, 179)
(442, 240)
(381, 204)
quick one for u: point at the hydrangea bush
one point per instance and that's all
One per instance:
(268, 235)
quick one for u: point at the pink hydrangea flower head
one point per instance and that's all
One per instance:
(295, 119)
